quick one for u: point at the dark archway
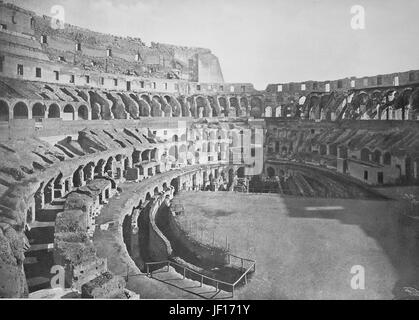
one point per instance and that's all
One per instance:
(38, 110)
(83, 113)
(54, 111)
(4, 111)
(270, 171)
(68, 112)
(20, 111)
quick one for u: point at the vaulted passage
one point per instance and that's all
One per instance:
(20, 111)
(4, 111)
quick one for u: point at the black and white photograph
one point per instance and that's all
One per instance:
(227, 150)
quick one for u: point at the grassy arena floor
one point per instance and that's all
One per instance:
(305, 253)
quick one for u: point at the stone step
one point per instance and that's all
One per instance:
(36, 281)
(30, 260)
(42, 246)
(42, 224)
(171, 277)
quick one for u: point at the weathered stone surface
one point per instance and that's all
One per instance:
(103, 287)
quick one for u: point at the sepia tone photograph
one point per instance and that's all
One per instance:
(218, 150)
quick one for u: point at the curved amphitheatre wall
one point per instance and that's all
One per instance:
(47, 152)
(37, 174)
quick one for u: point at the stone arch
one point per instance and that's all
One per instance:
(278, 111)
(83, 112)
(69, 113)
(154, 154)
(78, 177)
(365, 154)
(38, 110)
(244, 102)
(156, 106)
(312, 110)
(182, 153)
(156, 191)
(202, 107)
(387, 158)
(145, 155)
(213, 106)
(54, 111)
(99, 168)
(270, 171)
(222, 101)
(256, 107)
(4, 111)
(96, 111)
(268, 112)
(175, 184)
(89, 171)
(376, 156)
(235, 106)
(414, 100)
(109, 166)
(174, 152)
(20, 111)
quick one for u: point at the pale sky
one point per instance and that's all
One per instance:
(264, 41)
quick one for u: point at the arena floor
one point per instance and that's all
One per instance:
(305, 247)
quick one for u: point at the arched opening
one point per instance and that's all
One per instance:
(365, 154)
(376, 156)
(88, 171)
(126, 231)
(83, 112)
(53, 111)
(20, 111)
(148, 196)
(38, 111)
(4, 111)
(231, 175)
(268, 112)
(154, 155)
(174, 153)
(202, 108)
(109, 166)
(270, 171)
(99, 168)
(68, 113)
(145, 155)
(387, 158)
(234, 104)
(333, 150)
(156, 191)
(136, 156)
(78, 177)
(343, 152)
(256, 107)
(223, 106)
(175, 138)
(278, 112)
(408, 168)
(323, 149)
(175, 184)
(244, 103)
(240, 172)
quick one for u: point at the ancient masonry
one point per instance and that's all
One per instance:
(86, 118)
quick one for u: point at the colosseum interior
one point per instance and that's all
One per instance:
(129, 166)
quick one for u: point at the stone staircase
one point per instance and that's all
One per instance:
(40, 256)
